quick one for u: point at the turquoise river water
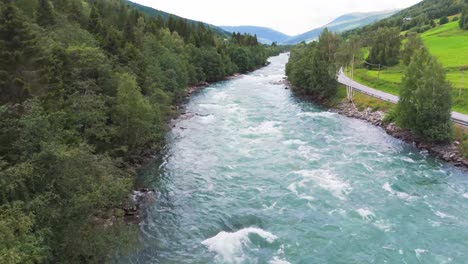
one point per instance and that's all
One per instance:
(259, 176)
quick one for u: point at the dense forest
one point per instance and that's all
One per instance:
(86, 86)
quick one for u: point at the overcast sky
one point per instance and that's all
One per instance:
(291, 16)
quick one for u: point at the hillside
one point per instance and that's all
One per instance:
(449, 44)
(343, 23)
(154, 12)
(264, 34)
(87, 88)
(417, 17)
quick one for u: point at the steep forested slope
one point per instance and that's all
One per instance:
(86, 87)
(154, 12)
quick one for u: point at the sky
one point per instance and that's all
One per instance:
(291, 16)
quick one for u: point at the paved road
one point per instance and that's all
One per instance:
(458, 118)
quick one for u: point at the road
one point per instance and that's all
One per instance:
(458, 118)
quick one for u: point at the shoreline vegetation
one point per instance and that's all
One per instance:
(373, 111)
(423, 113)
(87, 90)
(448, 152)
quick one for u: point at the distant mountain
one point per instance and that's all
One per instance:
(264, 34)
(343, 23)
(154, 12)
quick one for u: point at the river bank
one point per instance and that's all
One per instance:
(281, 180)
(141, 196)
(446, 152)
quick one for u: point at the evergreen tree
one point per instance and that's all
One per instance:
(18, 52)
(385, 46)
(425, 99)
(443, 20)
(463, 23)
(45, 15)
(94, 24)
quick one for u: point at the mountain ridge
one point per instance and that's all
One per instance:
(165, 15)
(265, 35)
(343, 23)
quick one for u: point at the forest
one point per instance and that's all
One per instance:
(86, 87)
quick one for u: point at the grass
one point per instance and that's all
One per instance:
(446, 42)
(363, 101)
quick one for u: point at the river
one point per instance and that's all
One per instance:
(260, 176)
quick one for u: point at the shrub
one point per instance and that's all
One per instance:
(443, 20)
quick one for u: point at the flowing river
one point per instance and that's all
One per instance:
(260, 176)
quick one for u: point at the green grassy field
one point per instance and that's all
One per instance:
(450, 45)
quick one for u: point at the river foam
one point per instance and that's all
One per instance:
(317, 114)
(324, 179)
(401, 195)
(229, 247)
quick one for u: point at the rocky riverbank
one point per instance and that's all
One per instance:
(447, 152)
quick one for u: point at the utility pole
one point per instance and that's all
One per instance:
(461, 82)
(378, 74)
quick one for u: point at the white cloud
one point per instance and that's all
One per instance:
(291, 17)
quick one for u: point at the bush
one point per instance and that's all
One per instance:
(443, 20)
(391, 116)
(455, 19)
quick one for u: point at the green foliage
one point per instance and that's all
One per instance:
(391, 116)
(45, 15)
(312, 68)
(426, 99)
(463, 23)
(421, 14)
(134, 115)
(18, 55)
(19, 244)
(385, 47)
(413, 44)
(443, 20)
(86, 86)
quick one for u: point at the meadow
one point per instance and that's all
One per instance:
(446, 42)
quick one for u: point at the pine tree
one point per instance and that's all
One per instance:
(464, 18)
(426, 99)
(385, 48)
(45, 14)
(94, 24)
(17, 54)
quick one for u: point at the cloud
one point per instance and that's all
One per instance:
(291, 17)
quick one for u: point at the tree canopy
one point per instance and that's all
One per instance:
(426, 99)
(86, 87)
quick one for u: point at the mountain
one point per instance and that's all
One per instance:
(264, 34)
(343, 23)
(154, 12)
